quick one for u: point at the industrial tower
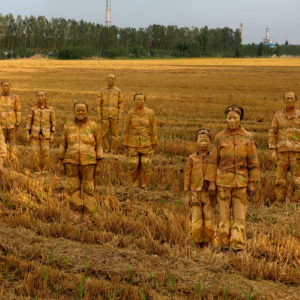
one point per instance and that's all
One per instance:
(108, 19)
(242, 31)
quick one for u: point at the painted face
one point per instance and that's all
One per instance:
(6, 87)
(203, 142)
(290, 100)
(80, 112)
(233, 120)
(139, 101)
(111, 79)
(41, 98)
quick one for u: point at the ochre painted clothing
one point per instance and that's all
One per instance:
(12, 150)
(112, 126)
(235, 162)
(196, 171)
(110, 104)
(140, 130)
(10, 111)
(80, 186)
(40, 148)
(81, 143)
(41, 121)
(232, 233)
(140, 165)
(203, 223)
(284, 134)
(3, 148)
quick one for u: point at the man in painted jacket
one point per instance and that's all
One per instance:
(236, 169)
(3, 150)
(80, 151)
(10, 119)
(140, 137)
(284, 142)
(110, 109)
(40, 126)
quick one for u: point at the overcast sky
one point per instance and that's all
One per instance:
(280, 15)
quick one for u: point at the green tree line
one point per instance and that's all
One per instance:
(69, 39)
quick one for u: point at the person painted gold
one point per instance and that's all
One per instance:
(10, 119)
(196, 182)
(236, 168)
(110, 109)
(3, 150)
(140, 137)
(80, 151)
(284, 143)
(40, 127)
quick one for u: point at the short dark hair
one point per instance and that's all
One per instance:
(202, 131)
(236, 108)
(81, 102)
(139, 94)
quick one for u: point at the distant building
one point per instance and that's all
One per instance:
(268, 41)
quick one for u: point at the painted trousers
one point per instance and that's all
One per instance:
(110, 126)
(80, 186)
(232, 233)
(40, 148)
(203, 217)
(11, 142)
(287, 161)
(140, 166)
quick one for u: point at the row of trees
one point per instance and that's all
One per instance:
(70, 38)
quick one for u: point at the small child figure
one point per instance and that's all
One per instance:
(198, 195)
(40, 126)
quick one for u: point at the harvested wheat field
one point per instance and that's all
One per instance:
(138, 246)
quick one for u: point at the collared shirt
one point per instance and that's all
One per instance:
(81, 143)
(110, 104)
(284, 134)
(10, 111)
(235, 162)
(140, 130)
(41, 120)
(195, 172)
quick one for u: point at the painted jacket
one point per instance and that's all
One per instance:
(110, 104)
(41, 121)
(195, 172)
(284, 134)
(235, 162)
(3, 148)
(10, 111)
(140, 130)
(81, 143)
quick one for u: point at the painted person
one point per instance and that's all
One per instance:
(80, 152)
(110, 109)
(10, 119)
(237, 170)
(140, 137)
(284, 142)
(196, 182)
(3, 150)
(40, 127)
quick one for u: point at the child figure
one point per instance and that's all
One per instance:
(196, 182)
(40, 126)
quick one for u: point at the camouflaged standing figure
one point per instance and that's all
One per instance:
(140, 137)
(3, 150)
(110, 109)
(10, 120)
(236, 169)
(80, 151)
(196, 182)
(40, 126)
(284, 142)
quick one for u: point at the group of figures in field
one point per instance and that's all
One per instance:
(222, 173)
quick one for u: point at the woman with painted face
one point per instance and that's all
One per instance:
(80, 151)
(236, 168)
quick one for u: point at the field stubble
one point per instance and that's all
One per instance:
(138, 246)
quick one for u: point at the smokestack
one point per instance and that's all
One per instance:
(108, 20)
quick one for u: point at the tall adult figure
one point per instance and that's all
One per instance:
(236, 168)
(10, 119)
(284, 142)
(110, 109)
(140, 137)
